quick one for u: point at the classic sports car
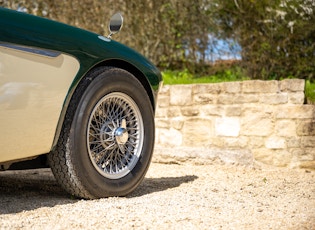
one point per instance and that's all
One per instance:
(77, 102)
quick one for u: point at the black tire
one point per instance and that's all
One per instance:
(94, 139)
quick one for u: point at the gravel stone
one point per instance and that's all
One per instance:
(172, 196)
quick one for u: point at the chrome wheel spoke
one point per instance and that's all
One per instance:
(115, 135)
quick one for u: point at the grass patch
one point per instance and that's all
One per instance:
(184, 77)
(310, 92)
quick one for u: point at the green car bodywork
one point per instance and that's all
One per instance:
(35, 34)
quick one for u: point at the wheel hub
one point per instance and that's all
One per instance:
(112, 135)
(121, 136)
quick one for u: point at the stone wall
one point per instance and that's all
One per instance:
(236, 122)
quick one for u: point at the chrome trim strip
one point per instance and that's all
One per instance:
(42, 52)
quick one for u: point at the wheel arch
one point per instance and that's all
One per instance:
(134, 71)
(110, 63)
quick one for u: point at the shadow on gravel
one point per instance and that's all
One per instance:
(151, 185)
(30, 189)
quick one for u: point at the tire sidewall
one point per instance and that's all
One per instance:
(112, 80)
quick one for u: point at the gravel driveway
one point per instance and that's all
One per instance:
(172, 196)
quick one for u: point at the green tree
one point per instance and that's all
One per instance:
(277, 36)
(172, 33)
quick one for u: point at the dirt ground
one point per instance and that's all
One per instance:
(172, 196)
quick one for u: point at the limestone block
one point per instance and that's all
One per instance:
(165, 90)
(296, 98)
(190, 111)
(177, 123)
(226, 99)
(211, 110)
(161, 112)
(256, 126)
(217, 142)
(230, 99)
(245, 98)
(162, 123)
(174, 112)
(207, 88)
(275, 142)
(293, 142)
(282, 158)
(274, 99)
(295, 111)
(231, 87)
(163, 101)
(203, 155)
(197, 132)
(303, 158)
(181, 95)
(292, 85)
(306, 128)
(285, 128)
(235, 156)
(308, 141)
(260, 86)
(279, 158)
(310, 152)
(256, 142)
(263, 111)
(231, 111)
(206, 98)
(262, 127)
(308, 164)
(297, 152)
(227, 126)
(235, 142)
(263, 155)
(304, 154)
(157, 136)
(170, 137)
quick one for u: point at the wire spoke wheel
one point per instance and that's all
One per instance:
(107, 141)
(115, 135)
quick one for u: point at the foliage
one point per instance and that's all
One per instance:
(277, 37)
(310, 92)
(174, 34)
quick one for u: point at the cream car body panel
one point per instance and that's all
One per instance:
(33, 88)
